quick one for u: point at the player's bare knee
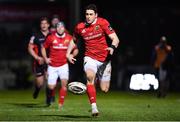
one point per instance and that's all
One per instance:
(90, 77)
(39, 84)
(105, 90)
(64, 83)
(51, 87)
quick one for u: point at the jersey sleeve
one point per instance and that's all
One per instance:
(32, 38)
(106, 27)
(76, 34)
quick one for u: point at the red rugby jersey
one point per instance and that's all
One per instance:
(94, 37)
(57, 48)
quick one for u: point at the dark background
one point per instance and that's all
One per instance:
(139, 26)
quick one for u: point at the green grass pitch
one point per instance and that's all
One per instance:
(18, 105)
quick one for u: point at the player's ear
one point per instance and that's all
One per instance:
(96, 15)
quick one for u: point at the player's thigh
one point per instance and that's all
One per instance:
(52, 75)
(90, 64)
(39, 70)
(107, 73)
(40, 79)
(63, 72)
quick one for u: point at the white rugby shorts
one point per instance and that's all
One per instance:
(54, 72)
(93, 64)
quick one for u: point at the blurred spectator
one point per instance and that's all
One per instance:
(162, 60)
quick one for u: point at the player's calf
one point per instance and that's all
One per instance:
(36, 92)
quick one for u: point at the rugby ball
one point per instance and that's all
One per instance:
(77, 87)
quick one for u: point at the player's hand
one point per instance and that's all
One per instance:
(40, 60)
(111, 50)
(47, 60)
(71, 59)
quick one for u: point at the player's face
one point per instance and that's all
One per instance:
(60, 30)
(44, 25)
(54, 22)
(90, 16)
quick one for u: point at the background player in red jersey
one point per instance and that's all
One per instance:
(34, 49)
(93, 32)
(57, 43)
(54, 21)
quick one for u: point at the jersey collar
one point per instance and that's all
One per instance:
(94, 22)
(61, 36)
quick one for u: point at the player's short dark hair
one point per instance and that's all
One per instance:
(91, 7)
(44, 19)
(55, 16)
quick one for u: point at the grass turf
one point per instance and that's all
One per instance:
(18, 105)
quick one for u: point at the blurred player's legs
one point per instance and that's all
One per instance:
(50, 95)
(62, 93)
(52, 78)
(90, 68)
(54, 73)
(104, 85)
(63, 73)
(53, 95)
(38, 84)
(40, 78)
(54, 92)
(91, 91)
(92, 98)
(105, 80)
(49, 92)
